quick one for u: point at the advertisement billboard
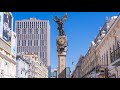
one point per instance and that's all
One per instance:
(7, 26)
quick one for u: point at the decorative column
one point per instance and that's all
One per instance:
(62, 50)
(61, 46)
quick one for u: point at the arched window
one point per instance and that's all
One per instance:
(113, 47)
(104, 59)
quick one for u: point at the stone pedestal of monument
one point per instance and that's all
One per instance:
(62, 50)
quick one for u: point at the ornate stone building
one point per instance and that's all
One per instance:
(30, 66)
(77, 72)
(103, 57)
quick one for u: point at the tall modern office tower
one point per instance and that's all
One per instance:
(33, 37)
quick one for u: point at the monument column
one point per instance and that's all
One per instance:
(62, 50)
(61, 47)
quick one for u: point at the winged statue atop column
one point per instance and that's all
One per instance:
(60, 23)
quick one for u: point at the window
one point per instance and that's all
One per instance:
(118, 44)
(30, 31)
(18, 31)
(107, 57)
(42, 31)
(32, 24)
(25, 73)
(36, 31)
(42, 36)
(17, 25)
(46, 24)
(18, 42)
(23, 31)
(29, 42)
(17, 50)
(42, 24)
(42, 42)
(46, 42)
(104, 59)
(110, 50)
(35, 42)
(23, 42)
(36, 24)
(113, 47)
(26, 24)
(43, 54)
(40, 54)
(5, 63)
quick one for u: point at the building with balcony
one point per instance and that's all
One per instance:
(77, 72)
(102, 57)
(22, 66)
(30, 66)
(37, 69)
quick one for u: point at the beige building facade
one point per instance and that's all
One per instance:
(37, 68)
(7, 61)
(77, 72)
(102, 58)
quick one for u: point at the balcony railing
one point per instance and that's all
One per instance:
(115, 55)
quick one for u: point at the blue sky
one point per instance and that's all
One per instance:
(81, 28)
